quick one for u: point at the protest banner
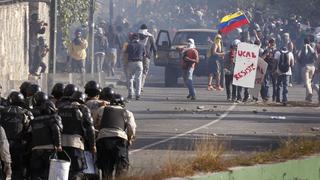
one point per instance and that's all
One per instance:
(261, 71)
(246, 65)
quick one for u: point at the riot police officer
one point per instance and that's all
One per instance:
(31, 91)
(15, 121)
(116, 133)
(78, 130)
(93, 89)
(46, 129)
(57, 92)
(23, 88)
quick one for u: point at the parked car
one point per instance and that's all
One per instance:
(169, 53)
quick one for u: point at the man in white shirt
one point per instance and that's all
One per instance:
(285, 62)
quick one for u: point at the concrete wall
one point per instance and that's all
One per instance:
(14, 42)
(301, 169)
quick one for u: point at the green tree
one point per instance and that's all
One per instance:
(70, 12)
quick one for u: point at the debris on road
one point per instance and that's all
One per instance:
(255, 111)
(278, 117)
(200, 107)
(264, 110)
(215, 106)
(167, 98)
(315, 129)
(148, 109)
(218, 114)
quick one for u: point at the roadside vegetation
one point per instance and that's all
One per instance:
(209, 158)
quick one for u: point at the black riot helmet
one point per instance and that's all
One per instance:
(69, 90)
(39, 98)
(16, 98)
(33, 89)
(107, 94)
(48, 108)
(118, 99)
(92, 88)
(23, 88)
(79, 96)
(57, 90)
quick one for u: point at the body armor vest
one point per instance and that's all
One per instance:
(12, 119)
(113, 118)
(71, 120)
(41, 133)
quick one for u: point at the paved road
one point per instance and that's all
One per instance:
(169, 124)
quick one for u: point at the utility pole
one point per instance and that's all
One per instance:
(111, 11)
(91, 35)
(53, 43)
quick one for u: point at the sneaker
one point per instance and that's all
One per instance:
(309, 98)
(290, 85)
(189, 96)
(129, 97)
(193, 98)
(137, 97)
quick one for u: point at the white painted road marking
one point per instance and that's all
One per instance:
(188, 132)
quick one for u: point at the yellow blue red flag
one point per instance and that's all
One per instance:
(232, 21)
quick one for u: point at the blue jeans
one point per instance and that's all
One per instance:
(268, 80)
(187, 77)
(283, 81)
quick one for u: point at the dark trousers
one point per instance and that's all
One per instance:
(40, 163)
(17, 157)
(36, 66)
(270, 79)
(239, 93)
(228, 84)
(78, 163)
(112, 155)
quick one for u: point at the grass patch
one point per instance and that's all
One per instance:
(209, 158)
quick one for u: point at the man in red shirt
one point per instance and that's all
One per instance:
(190, 57)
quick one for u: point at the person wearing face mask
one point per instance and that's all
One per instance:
(190, 57)
(290, 47)
(78, 53)
(215, 54)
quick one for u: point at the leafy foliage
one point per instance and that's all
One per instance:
(69, 12)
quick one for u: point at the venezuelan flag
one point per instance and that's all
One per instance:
(232, 21)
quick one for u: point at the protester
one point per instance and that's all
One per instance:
(136, 53)
(285, 62)
(116, 134)
(40, 52)
(270, 76)
(190, 57)
(215, 54)
(148, 41)
(101, 46)
(114, 47)
(77, 52)
(307, 57)
(228, 71)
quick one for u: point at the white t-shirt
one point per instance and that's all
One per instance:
(291, 62)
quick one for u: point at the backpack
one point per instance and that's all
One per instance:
(284, 62)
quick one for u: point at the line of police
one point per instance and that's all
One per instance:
(38, 126)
